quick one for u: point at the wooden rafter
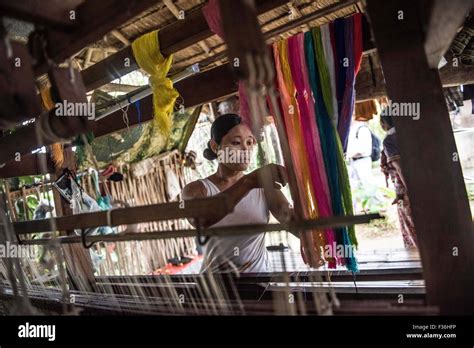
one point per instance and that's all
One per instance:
(119, 36)
(174, 9)
(55, 13)
(95, 19)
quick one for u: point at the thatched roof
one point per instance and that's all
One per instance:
(161, 16)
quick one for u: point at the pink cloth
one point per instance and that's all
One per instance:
(290, 128)
(213, 17)
(244, 109)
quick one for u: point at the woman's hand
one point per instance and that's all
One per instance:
(273, 172)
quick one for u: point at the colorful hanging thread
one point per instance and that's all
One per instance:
(310, 131)
(335, 165)
(311, 243)
(313, 85)
(348, 32)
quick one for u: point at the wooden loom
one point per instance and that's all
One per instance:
(220, 294)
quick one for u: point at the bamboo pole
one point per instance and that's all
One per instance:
(322, 223)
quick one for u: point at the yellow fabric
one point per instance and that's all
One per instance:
(146, 50)
(365, 111)
(311, 208)
(57, 149)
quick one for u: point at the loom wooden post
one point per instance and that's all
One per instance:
(78, 260)
(433, 175)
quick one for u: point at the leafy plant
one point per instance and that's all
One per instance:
(373, 198)
(31, 204)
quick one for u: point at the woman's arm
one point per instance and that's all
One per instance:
(234, 194)
(281, 210)
(280, 207)
(398, 168)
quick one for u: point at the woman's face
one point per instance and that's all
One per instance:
(236, 148)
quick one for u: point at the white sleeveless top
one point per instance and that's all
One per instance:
(245, 253)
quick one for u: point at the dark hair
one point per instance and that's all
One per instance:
(220, 127)
(387, 119)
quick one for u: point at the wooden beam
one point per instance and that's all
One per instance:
(371, 84)
(443, 19)
(213, 84)
(429, 159)
(54, 129)
(454, 73)
(296, 13)
(125, 216)
(395, 287)
(87, 60)
(172, 7)
(27, 165)
(205, 48)
(173, 38)
(54, 13)
(119, 36)
(95, 19)
(328, 222)
(119, 87)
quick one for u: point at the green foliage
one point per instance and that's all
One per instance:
(470, 191)
(373, 198)
(31, 204)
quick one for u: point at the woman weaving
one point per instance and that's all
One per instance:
(232, 143)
